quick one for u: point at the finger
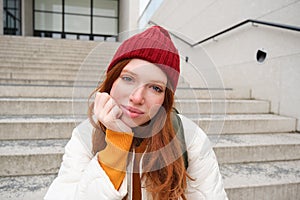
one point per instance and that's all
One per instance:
(102, 98)
(100, 101)
(110, 104)
(116, 112)
(111, 119)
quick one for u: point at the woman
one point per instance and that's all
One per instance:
(129, 148)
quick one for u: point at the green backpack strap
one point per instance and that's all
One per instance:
(178, 127)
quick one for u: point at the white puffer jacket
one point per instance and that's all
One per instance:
(81, 177)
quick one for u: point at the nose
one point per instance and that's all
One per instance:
(137, 96)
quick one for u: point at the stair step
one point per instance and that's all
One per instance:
(46, 46)
(67, 91)
(211, 93)
(25, 187)
(46, 58)
(41, 91)
(45, 156)
(43, 49)
(70, 65)
(45, 82)
(29, 41)
(37, 54)
(53, 76)
(56, 76)
(57, 53)
(68, 106)
(207, 106)
(30, 157)
(270, 180)
(47, 42)
(62, 53)
(31, 76)
(242, 181)
(43, 106)
(57, 127)
(240, 124)
(37, 127)
(257, 147)
(50, 67)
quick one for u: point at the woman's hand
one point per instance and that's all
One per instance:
(108, 113)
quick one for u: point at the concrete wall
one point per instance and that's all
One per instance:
(129, 14)
(27, 20)
(230, 59)
(198, 19)
(27, 17)
(276, 79)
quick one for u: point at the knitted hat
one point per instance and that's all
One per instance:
(153, 45)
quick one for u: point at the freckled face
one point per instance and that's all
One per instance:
(139, 91)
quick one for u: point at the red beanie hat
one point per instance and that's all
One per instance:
(153, 45)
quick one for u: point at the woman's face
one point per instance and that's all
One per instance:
(139, 91)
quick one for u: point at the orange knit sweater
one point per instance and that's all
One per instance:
(113, 158)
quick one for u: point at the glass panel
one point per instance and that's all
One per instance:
(105, 8)
(56, 35)
(78, 6)
(77, 24)
(106, 26)
(13, 8)
(71, 36)
(84, 37)
(53, 5)
(11, 3)
(98, 38)
(111, 39)
(48, 21)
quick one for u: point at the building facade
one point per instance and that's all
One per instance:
(73, 19)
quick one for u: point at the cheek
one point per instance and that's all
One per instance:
(113, 90)
(154, 104)
(119, 91)
(116, 92)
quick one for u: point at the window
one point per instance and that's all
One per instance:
(76, 18)
(12, 17)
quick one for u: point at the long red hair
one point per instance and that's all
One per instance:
(164, 172)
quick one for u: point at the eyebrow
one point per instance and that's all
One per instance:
(151, 81)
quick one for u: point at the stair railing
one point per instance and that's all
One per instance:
(11, 27)
(282, 26)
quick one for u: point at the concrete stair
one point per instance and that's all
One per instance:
(46, 106)
(28, 60)
(44, 86)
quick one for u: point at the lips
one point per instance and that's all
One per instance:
(132, 112)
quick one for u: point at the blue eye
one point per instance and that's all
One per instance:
(157, 89)
(126, 78)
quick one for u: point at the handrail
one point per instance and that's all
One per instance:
(12, 15)
(283, 26)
